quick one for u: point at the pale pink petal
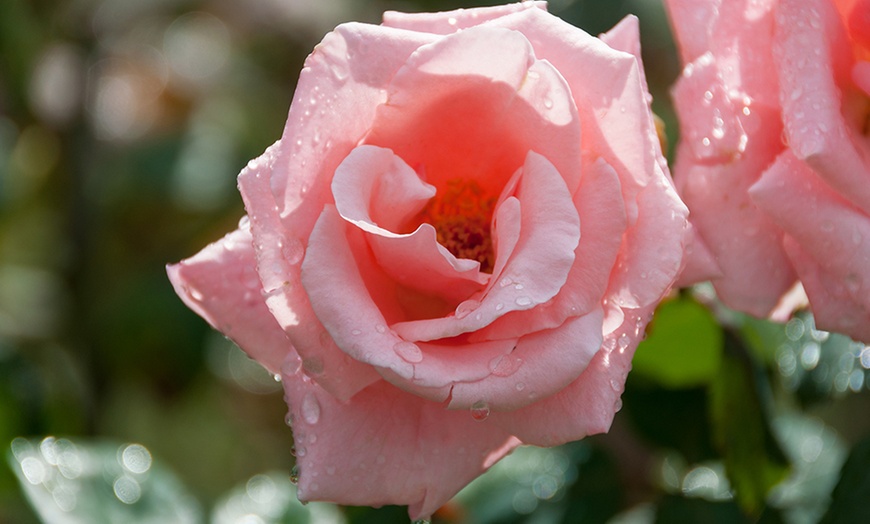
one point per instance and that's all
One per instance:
(692, 22)
(599, 202)
(745, 244)
(378, 192)
(829, 230)
(339, 89)
(477, 109)
(387, 447)
(698, 263)
(834, 305)
(538, 266)
(813, 58)
(709, 121)
(339, 296)
(278, 257)
(221, 285)
(447, 22)
(587, 405)
(541, 365)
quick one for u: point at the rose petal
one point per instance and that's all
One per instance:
(339, 89)
(746, 245)
(542, 364)
(404, 450)
(477, 110)
(831, 232)
(834, 305)
(372, 180)
(447, 22)
(537, 268)
(692, 23)
(221, 285)
(599, 202)
(813, 57)
(587, 405)
(278, 259)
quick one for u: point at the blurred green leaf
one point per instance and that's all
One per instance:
(673, 509)
(851, 498)
(753, 458)
(683, 347)
(270, 498)
(98, 482)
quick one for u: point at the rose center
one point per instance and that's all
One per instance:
(461, 214)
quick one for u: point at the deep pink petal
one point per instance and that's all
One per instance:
(278, 257)
(447, 22)
(537, 268)
(813, 60)
(588, 404)
(541, 365)
(221, 285)
(387, 447)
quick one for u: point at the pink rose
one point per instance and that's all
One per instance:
(775, 157)
(454, 248)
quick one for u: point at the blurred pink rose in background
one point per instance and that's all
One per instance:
(774, 161)
(454, 248)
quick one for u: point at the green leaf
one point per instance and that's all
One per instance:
(98, 482)
(850, 498)
(270, 498)
(683, 347)
(753, 458)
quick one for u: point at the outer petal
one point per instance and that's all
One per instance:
(692, 23)
(343, 82)
(220, 284)
(541, 365)
(278, 257)
(587, 405)
(745, 244)
(833, 235)
(813, 58)
(403, 450)
(447, 22)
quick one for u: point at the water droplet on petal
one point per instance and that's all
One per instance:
(480, 410)
(505, 366)
(623, 342)
(356, 332)
(408, 351)
(520, 386)
(465, 308)
(523, 301)
(310, 408)
(294, 474)
(380, 328)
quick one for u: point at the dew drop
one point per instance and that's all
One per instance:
(505, 282)
(505, 366)
(520, 386)
(294, 475)
(356, 332)
(548, 103)
(408, 351)
(464, 309)
(523, 301)
(499, 306)
(310, 408)
(616, 385)
(293, 251)
(380, 328)
(623, 342)
(480, 410)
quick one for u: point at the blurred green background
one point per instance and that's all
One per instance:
(122, 127)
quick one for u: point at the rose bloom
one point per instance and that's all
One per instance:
(775, 157)
(454, 248)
